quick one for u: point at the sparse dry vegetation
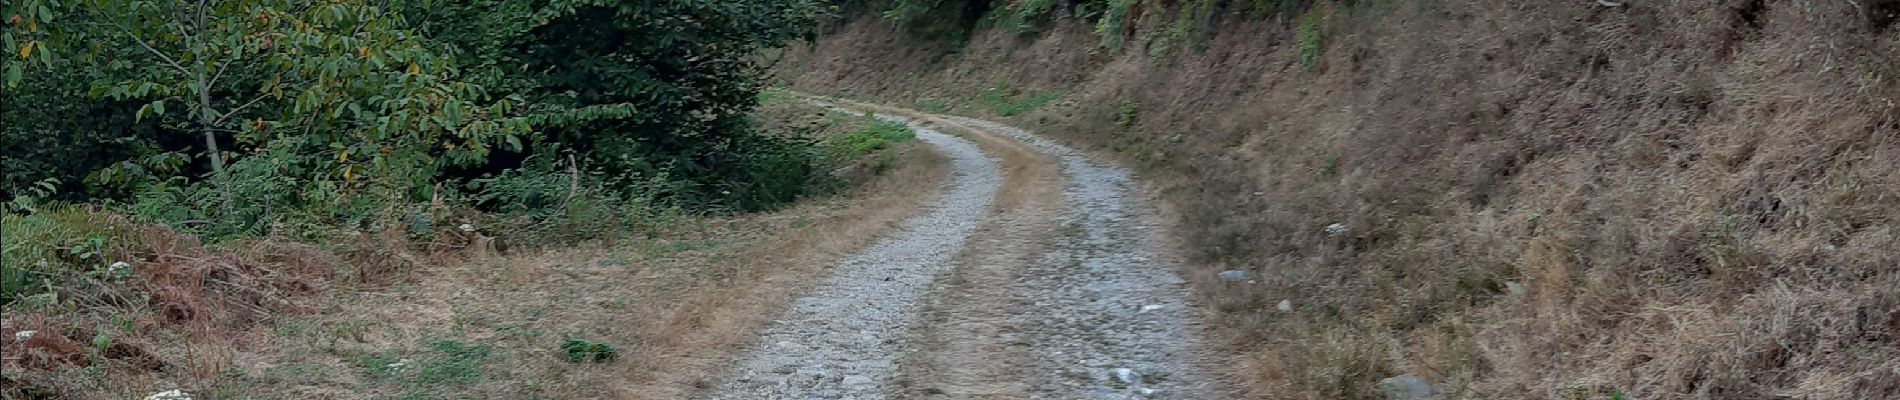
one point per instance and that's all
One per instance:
(673, 308)
(1566, 200)
(442, 315)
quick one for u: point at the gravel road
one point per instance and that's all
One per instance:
(1061, 290)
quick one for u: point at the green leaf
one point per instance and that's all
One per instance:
(13, 75)
(453, 109)
(159, 107)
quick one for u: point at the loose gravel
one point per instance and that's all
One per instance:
(1116, 322)
(1110, 318)
(839, 341)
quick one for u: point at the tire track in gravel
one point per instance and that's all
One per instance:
(839, 340)
(1050, 288)
(1110, 317)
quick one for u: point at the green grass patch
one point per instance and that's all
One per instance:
(1130, 114)
(878, 135)
(1309, 36)
(578, 350)
(932, 105)
(432, 374)
(772, 96)
(1009, 102)
(44, 249)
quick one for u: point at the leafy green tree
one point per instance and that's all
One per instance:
(47, 135)
(340, 90)
(327, 111)
(687, 66)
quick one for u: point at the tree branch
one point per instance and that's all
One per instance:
(179, 14)
(227, 116)
(201, 16)
(214, 77)
(381, 10)
(141, 41)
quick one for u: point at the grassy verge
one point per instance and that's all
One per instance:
(443, 315)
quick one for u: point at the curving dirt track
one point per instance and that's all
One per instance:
(1036, 273)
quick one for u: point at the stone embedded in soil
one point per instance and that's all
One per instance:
(1128, 376)
(1407, 387)
(1234, 275)
(173, 394)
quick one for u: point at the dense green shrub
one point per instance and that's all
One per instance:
(684, 67)
(546, 201)
(233, 118)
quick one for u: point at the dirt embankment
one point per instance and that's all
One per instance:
(1507, 199)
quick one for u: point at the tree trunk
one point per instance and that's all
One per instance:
(211, 151)
(219, 178)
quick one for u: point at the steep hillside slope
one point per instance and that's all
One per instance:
(1696, 200)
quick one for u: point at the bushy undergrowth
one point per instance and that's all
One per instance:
(242, 160)
(549, 203)
(54, 247)
(66, 264)
(346, 113)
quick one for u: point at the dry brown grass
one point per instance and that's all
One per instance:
(1700, 200)
(675, 308)
(374, 315)
(690, 310)
(172, 321)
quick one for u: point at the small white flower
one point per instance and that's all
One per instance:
(119, 268)
(467, 228)
(22, 336)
